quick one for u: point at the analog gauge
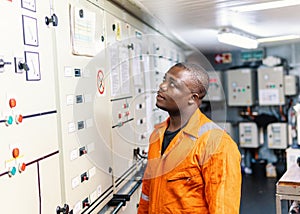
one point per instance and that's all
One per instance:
(29, 5)
(30, 31)
(33, 62)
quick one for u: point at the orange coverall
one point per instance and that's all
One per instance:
(199, 172)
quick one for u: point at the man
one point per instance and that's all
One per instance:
(193, 166)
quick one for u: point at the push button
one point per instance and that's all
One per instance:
(12, 171)
(22, 167)
(12, 102)
(15, 152)
(19, 118)
(9, 120)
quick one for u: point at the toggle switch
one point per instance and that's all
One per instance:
(130, 46)
(84, 177)
(20, 65)
(52, 20)
(82, 151)
(63, 210)
(2, 64)
(85, 203)
(23, 66)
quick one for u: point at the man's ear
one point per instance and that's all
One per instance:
(194, 98)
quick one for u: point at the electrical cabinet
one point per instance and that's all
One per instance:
(86, 115)
(241, 84)
(291, 85)
(271, 86)
(77, 105)
(248, 135)
(277, 135)
(29, 155)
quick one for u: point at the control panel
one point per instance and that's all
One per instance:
(248, 135)
(241, 87)
(291, 85)
(29, 154)
(277, 136)
(271, 86)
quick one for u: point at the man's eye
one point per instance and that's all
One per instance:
(172, 84)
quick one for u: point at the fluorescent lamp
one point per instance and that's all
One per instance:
(236, 39)
(265, 6)
(278, 38)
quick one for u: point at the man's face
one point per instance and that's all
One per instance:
(173, 93)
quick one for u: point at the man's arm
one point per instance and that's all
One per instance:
(222, 175)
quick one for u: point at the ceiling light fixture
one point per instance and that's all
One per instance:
(238, 39)
(265, 6)
(278, 38)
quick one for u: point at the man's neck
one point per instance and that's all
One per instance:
(177, 121)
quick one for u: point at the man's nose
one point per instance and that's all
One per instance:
(163, 86)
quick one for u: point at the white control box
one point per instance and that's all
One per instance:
(241, 87)
(290, 85)
(215, 91)
(277, 135)
(271, 86)
(248, 135)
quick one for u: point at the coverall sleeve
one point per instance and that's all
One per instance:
(222, 175)
(144, 198)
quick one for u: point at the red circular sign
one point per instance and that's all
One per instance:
(100, 82)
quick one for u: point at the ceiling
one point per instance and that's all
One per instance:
(197, 22)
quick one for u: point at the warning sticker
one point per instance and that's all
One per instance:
(100, 82)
